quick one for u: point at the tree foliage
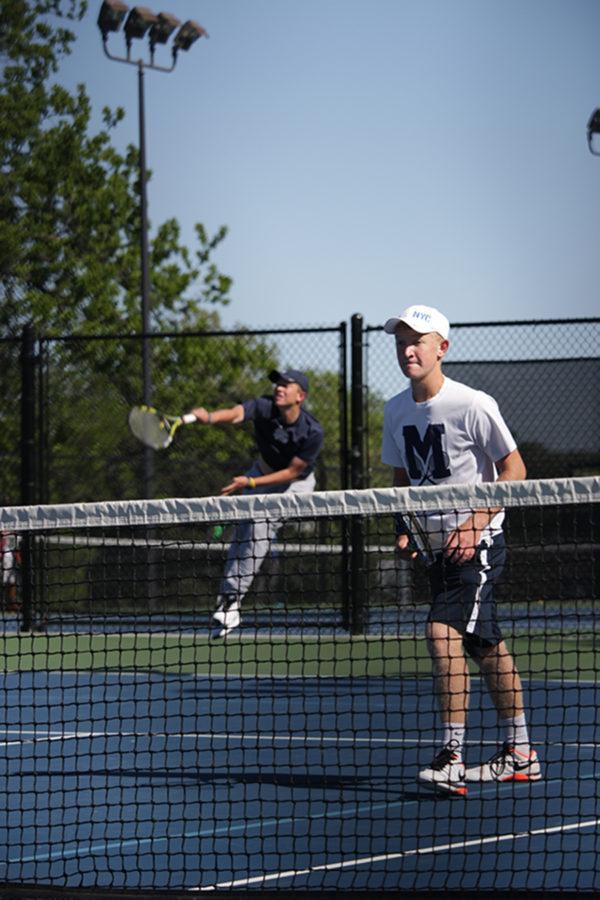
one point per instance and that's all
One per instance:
(69, 209)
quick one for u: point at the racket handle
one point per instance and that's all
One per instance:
(189, 419)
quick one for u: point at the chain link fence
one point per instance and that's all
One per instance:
(88, 386)
(545, 376)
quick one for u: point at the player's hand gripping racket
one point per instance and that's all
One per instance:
(418, 539)
(155, 429)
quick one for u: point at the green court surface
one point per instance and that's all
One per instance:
(540, 656)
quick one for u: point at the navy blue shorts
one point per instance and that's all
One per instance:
(463, 596)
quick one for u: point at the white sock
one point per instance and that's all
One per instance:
(454, 733)
(516, 733)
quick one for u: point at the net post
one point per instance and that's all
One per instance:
(358, 582)
(28, 485)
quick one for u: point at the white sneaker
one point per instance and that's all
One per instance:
(446, 772)
(509, 764)
(226, 616)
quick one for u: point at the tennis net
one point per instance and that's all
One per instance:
(140, 753)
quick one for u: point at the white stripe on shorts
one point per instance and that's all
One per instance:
(485, 568)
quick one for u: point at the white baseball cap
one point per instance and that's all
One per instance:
(422, 319)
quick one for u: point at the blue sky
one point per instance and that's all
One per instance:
(369, 154)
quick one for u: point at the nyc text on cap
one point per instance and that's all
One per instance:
(422, 319)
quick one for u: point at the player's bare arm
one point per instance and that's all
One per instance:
(282, 476)
(511, 467)
(231, 415)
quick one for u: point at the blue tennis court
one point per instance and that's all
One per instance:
(139, 779)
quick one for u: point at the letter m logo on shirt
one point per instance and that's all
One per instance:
(425, 457)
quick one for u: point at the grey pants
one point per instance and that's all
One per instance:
(251, 540)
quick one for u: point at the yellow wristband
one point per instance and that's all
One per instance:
(251, 483)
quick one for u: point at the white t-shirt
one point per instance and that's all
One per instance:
(454, 438)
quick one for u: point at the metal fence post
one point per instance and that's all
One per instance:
(343, 401)
(28, 468)
(344, 461)
(358, 568)
(357, 456)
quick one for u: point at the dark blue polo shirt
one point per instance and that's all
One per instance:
(278, 442)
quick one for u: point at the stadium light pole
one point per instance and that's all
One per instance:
(593, 131)
(140, 23)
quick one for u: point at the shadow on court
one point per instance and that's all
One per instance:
(132, 780)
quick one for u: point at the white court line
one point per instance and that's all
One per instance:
(30, 736)
(14, 736)
(404, 854)
(25, 736)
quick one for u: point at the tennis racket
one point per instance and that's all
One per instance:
(418, 538)
(155, 429)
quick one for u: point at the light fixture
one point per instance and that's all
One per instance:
(593, 128)
(139, 21)
(162, 30)
(187, 35)
(112, 13)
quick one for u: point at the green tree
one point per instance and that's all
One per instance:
(69, 210)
